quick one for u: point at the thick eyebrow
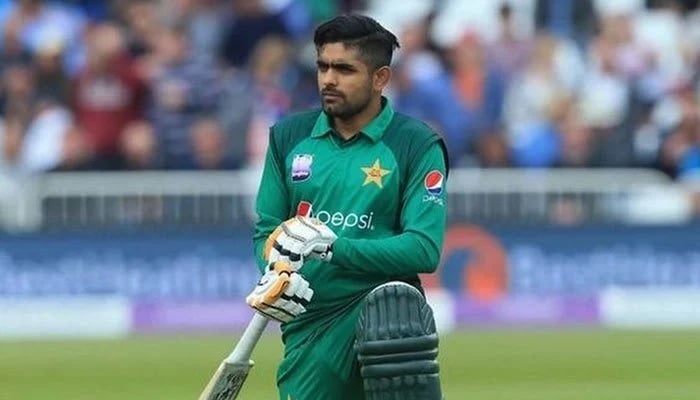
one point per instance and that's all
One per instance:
(336, 65)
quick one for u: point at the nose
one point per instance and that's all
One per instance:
(328, 78)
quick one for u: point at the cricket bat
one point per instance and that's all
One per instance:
(233, 371)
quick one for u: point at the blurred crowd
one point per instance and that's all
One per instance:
(195, 84)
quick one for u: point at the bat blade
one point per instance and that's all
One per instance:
(227, 381)
(233, 371)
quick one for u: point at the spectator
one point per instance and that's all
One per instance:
(204, 21)
(424, 89)
(251, 22)
(51, 141)
(108, 94)
(661, 29)
(138, 146)
(183, 89)
(39, 23)
(542, 83)
(531, 94)
(255, 98)
(235, 112)
(456, 18)
(509, 52)
(11, 132)
(567, 19)
(414, 15)
(12, 50)
(141, 25)
(680, 152)
(479, 85)
(558, 140)
(209, 146)
(18, 92)
(93, 10)
(604, 104)
(577, 141)
(296, 16)
(492, 150)
(539, 142)
(52, 81)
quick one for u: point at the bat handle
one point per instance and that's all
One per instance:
(251, 335)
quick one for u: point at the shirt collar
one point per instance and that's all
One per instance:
(374, 130)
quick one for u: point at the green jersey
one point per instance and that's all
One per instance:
(383, 193)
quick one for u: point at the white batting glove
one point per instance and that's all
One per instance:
(300, 238)
(273, 254)
(281, 294)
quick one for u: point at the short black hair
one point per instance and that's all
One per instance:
(374, 42)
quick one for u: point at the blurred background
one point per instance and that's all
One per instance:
(132, 134)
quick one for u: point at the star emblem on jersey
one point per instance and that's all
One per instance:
(374, 174)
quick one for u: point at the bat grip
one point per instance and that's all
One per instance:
(251, 335)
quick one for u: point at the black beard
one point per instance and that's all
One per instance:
(345, 111)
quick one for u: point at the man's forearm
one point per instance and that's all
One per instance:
(405, 254)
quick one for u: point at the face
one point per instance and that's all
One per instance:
(345, 83)
(171, 47)
(105, 43)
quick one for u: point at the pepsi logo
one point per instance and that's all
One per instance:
(433, 182)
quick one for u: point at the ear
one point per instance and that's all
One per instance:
(382, 76)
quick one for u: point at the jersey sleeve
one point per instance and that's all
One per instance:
(271, 204)
(423, 218)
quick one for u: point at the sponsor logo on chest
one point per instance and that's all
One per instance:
(338, 219)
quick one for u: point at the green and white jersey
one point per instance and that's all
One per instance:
(383, 193)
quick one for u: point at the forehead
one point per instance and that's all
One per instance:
(337, 52)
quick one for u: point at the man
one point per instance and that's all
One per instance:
(184, 90)
(355, 322)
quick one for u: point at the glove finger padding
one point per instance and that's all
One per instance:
(302, 237)
(313, 229)
(274, 283)
(269, 243)
(281, 294)
(298, 290)
(319, 247)
(273, 251)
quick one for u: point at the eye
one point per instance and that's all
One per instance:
(322, 67)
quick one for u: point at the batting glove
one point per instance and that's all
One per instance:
(299, 238)
(281, 294)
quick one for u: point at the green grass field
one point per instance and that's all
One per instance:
(479, 365)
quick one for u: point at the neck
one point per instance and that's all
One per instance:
(347, 128)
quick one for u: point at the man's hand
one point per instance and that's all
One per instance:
(299, 238)
(281, 294)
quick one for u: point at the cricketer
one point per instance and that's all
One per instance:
(351, 208)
